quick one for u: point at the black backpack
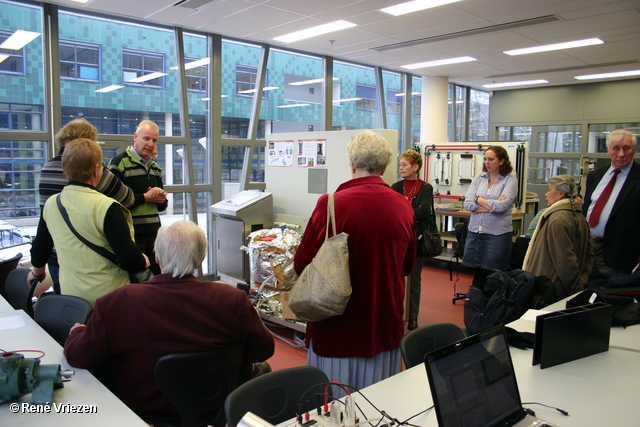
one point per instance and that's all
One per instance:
(506, 297)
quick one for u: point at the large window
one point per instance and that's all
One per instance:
(20, 164)
(478, 115)
(79, 61)
(138, 66)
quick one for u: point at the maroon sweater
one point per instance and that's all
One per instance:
(382, 250)
(137, 324)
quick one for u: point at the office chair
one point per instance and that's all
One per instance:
(18, 292)
(276, 396)
(425, 339)
(6, 267)
(197, 383)
(56, 314)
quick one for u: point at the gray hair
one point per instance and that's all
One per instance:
(369, 151)
(620, 134)
(147, 124)
(180, 248)
(565, 184)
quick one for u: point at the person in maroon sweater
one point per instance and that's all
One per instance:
(174, 312)
(361, 346)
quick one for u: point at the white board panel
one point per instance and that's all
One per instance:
(290, 184)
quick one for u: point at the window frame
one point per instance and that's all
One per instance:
(253, 71)
(144, 55)
(202, 77)
(77, 65)
(362, 104)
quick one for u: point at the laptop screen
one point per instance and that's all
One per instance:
(473, 382)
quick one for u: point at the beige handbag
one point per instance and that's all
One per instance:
(324, 287)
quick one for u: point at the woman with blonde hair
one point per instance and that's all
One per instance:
(419, 195)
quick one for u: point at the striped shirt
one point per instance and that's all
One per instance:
(53, 180)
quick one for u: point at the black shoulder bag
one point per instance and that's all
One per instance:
(430, 240)
(138, 277)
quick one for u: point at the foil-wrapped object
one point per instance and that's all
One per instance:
(271, 258)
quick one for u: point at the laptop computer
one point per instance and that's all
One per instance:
(473, 383)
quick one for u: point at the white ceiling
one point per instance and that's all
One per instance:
(615, 22)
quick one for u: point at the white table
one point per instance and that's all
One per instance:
(83, 389)
(5, 307)
(621, 338)
(598, 390)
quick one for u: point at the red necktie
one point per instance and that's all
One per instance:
(602, 200)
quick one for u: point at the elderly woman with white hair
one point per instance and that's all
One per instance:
(361, 346)
(561, 247)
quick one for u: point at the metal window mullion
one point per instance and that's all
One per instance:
(257, 97)
(382, 101)
(51, 46)
(327, 113)
(185, 124)
(407, 112)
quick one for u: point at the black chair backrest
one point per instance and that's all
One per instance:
(275, 397)
(18, 292)
(425, 339)
(6, 266)
(56, 314)
(198, 383)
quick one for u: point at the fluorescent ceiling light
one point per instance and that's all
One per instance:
(609, 75)
(110, 88)
(292, 105)
(255, 90)
(315, 31)
(338, 101)
(555, 46)
(193, 64)
(3, 57)
(412, 93)
(414, 6)
(204, 99)
(309, 82)
(18, 40)
(81, 1)
(439, 62)
(523, 83)
(146, 77)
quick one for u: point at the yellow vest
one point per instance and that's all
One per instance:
(83, 272)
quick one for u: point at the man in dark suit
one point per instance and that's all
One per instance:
(615, 221)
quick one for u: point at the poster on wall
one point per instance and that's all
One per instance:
(280, 153)
(312, 152)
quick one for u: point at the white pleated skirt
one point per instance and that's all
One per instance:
(358, 372)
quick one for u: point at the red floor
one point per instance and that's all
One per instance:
(435, 307)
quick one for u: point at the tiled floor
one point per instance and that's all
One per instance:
(435, 307)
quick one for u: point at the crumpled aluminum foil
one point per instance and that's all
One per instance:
(269, 247)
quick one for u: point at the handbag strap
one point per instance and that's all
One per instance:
(431, 224)
(100, 250)
(331, 216)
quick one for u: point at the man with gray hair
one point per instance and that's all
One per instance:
(612, 208)
(173, 312)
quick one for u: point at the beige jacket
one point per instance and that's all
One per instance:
(561, 248)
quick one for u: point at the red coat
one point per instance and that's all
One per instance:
(382, 251)
(137, 324)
